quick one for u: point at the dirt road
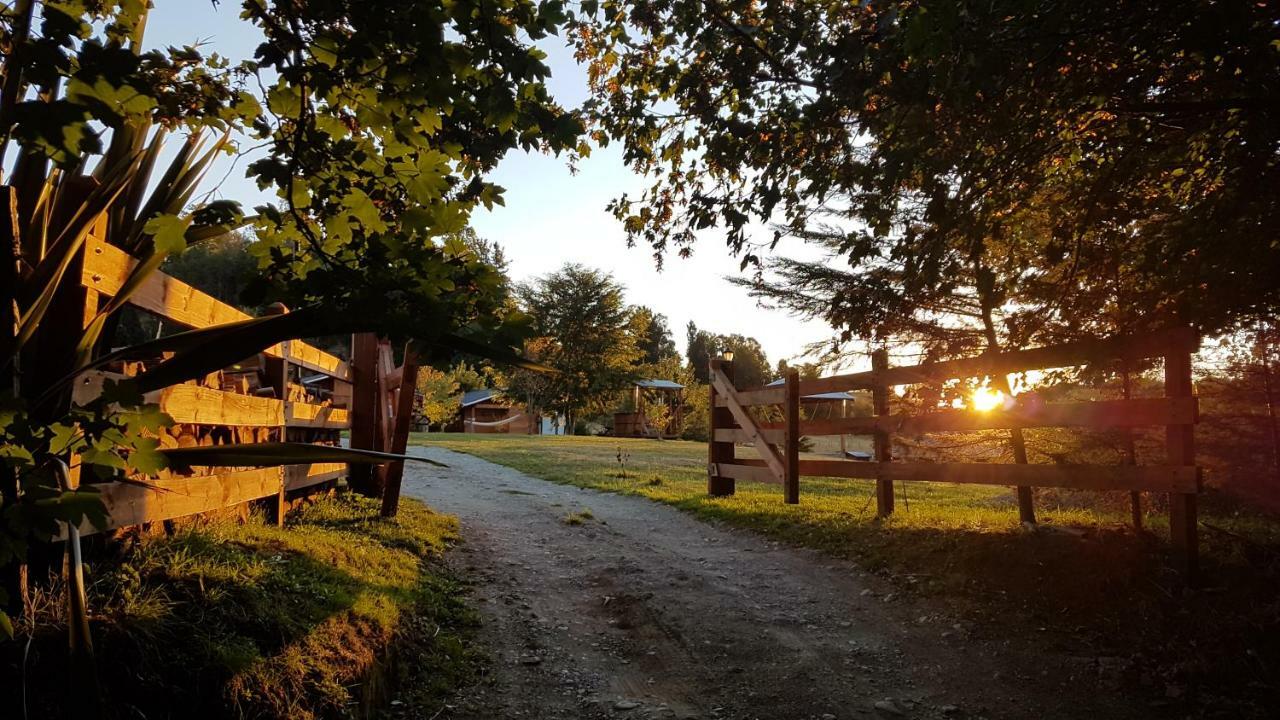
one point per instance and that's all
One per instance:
(641, 611)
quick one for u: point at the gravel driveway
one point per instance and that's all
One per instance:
(642, 611)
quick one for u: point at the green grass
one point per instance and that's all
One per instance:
(311, 620)
(1097, 584)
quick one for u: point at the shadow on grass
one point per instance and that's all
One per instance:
(256, 621)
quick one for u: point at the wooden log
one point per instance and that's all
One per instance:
(310, 415)
(300, 477)
(744, 419)
(882, 442)
(1180, 445)
(719, 451)
(197, 405)
(791, 457)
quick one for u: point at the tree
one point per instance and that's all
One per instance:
(653, 337)
(935, 137)
(438, 392)
(221, 266)
(750, 366)
(700, 347)
(379, 126)
(582, 313)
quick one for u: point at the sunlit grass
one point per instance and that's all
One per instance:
(280, 622)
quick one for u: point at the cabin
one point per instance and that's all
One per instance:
(486, 411)
(647, 395)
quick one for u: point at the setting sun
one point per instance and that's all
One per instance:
(986, 399)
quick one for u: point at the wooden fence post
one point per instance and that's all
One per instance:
(791, 458)
(1181, 448)
(719, 452)
(394, 472)
(883, 449)
(364, 406)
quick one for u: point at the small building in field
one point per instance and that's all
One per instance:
(651, 400)
(486, 411)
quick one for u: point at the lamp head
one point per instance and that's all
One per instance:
(728, 355)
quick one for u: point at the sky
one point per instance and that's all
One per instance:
(552, 216)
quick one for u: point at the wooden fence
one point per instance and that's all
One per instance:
(290, 392)
(778, 444)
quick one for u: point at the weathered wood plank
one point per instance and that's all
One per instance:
(313, 358)
(1132, 347)
(758, 396)
(741, 470)
(170, 497)
(1162, 478)
(297, 477)
(205, 406)
(301, 414)
(1097, 414)
(106, 268)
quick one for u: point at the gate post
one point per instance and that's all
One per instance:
(883, 449)
(719, 452)
(364, 406)
(791, 458)
(1180, 444)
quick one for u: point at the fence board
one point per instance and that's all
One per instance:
(1162, 478)
(297, 477)
(1099, 414)
(745, 470)
(1131, 347)
(205, 406)
(173, 497)
(313, 358)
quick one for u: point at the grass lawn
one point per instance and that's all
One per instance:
(231, 619)
(1084, 569)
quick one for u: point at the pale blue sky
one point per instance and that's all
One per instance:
(551, 215)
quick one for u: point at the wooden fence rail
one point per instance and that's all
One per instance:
(777, 443)
(291, 391)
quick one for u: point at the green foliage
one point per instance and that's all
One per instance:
(653, 337)
(750, 365)
(438, 396)
(1046, 164)
(585, 319)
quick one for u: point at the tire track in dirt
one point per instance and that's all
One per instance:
(646, 612)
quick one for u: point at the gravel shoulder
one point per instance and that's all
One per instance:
(643, 611)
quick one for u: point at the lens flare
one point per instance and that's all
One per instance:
(986, 399)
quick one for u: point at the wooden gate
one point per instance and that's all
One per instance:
(777, 444)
